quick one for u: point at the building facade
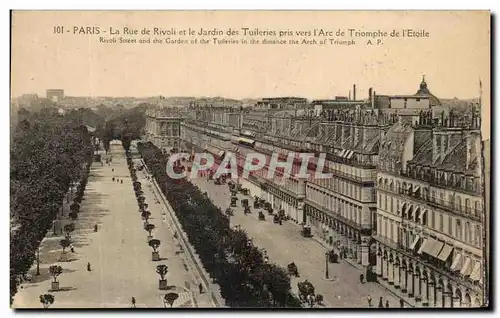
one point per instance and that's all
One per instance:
(406, 192)
(55, 95)
(163, 128)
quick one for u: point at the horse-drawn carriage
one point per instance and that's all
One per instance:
(292, 270)
(305, 289)
(370, 276)
(233, 201)
(256, 202)
(333, 257)
(245, 191)
(276, 219)
(262, 217)
(281, 214)
(306, 231)
(218, 181)
(244, 202)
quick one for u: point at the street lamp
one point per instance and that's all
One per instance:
(326, 265)
(38, 260)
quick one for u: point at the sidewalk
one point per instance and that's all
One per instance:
(409, 301)
(165, 231)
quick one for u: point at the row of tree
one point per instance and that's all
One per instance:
(231, 259)
(49, 154)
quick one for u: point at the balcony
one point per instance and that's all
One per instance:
(457, 209)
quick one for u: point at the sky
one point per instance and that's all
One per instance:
(453, 58)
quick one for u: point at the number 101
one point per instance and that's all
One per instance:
(58, 30)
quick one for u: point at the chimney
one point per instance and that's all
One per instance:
(349, 95)
(354, 92)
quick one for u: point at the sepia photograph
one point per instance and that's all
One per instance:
(250, 159)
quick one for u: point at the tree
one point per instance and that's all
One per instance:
(154, 243)
(162, 270)
(75, 209)
(55, 271)
(150, 228)
(170, 298)
(48, 153)
(65, 243)
(141, 199)
(46, 300)
(68, 229)
(145, 215)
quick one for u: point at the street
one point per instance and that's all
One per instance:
(284, 244)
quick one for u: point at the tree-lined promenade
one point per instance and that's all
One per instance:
(49, 155)
(119, 252)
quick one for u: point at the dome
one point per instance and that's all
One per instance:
(424, 91)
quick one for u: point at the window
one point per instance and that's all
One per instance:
(458, 203)
(433, 224)
(458, 230)
(477, 208)
(467, 205)
(467, 233)
(391, 207)
(477, 235)
(441, 222)
(379, 203)
(390, 234)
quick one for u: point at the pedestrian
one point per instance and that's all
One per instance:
(112, 169)
(200, 287)
(72, 249)
(386, 304)
(121, 181)
(401, 303)
(113, 179)
(89, 269)
(133, 302)
(381, 303)
(362, 278)
(369, 299)
(95, 228)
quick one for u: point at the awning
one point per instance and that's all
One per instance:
(349, 155)
(445, 253)
(429, 247)
(248, 133)
(414, 243)
(342, 153)
(235, 149)
(436, 249)
(416, 189)
(221, 153)
(466, 269)
(234, 139)
(422, 247)
(476, 272)
(246, 140)
(455, 266)
(403, 207)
